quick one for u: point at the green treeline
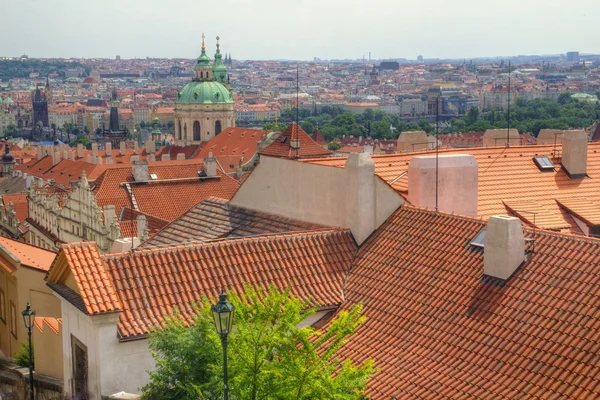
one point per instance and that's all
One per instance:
(17, 69)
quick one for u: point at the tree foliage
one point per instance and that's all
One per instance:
(11, 69)
(270, 357)
(10, 130)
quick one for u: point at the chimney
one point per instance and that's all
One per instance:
(497, 137)
(40, 152)
(108, 149)
(142, 227)
(109, 160)
(98, 160)
(412, 141)
(122, 148)
(151, 157)
(135, 148)
(180, 156)
(360, 197)
(140, 171)
(150, 146)
(574, 153)
(504, 246)
(123, 245)
(28, 180)
(134, 158)
(94, 150)
(550, 136)
(110, 215)
(165, 157)
(88, 159)
(456, 185)
(65, 154)
(210, 166)
(80, 150)
(55, 157)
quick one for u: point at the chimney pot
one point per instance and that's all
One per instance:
(504, 246)
(210, 166)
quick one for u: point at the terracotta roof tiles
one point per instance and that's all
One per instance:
(282, 148)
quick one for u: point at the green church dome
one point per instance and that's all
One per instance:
(207, 92)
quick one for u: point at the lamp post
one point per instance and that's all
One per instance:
(223, 316)
(28, 316)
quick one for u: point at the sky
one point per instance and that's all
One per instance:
(298, 30)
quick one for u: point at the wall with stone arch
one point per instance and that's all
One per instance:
(207, 115)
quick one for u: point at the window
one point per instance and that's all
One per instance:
(217, 127)
(13, 319)
(196, 130)
(595, 231)
(479, 239)
(2, 306)
(544, 163)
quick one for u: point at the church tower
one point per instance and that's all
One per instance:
(48, 92)
(204, 107)
(40, 109)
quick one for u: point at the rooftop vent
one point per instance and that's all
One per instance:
(544, 163)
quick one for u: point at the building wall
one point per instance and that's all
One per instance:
(48, 348)
(9, 344)
(206, 115)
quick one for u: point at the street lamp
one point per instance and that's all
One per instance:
(28, 316)
(223, 316)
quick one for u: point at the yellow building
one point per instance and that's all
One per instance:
(22, 272)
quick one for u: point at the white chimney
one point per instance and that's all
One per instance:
(123, 245)
(456, 183)
(504, 246)
(360, 195)
(65, 154)
(122, 148)
(55, 157)
(94, 150)
(40, 152)
(110, 215)
(28, 180)
(574, 153)
(136, 149)
(210, 166)
(180, 156)
(498, 137)
(135, 158)
(88, 158)
(142, 227)
(98, 160)
(108, 149)
(80, 152)
(165, 157)
(151, 157)
(140, 171)
(150, 146)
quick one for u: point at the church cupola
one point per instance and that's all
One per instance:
(8, 161)
(219, 69)
(203, 71)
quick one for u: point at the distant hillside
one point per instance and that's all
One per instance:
(10, 69)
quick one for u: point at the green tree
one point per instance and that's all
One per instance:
(307, 127)
(472, 116)
(270, 358)
(333, 146)
(10, 130)
(142, 124)
(83, 139)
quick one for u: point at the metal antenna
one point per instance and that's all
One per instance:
(437, 147)
(297, 110)
(508, 130)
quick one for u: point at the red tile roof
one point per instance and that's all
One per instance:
(156, 197)
(281, 147)
(27, 255)
(20, 204)
(95, 285)
(151, 283)
(437, 329)
(231, 146)
(53, 324)
(508, 178)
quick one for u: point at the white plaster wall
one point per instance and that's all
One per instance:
(124, 365)
(77, 324)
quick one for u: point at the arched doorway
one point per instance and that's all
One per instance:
(196, 131)
(217, 127)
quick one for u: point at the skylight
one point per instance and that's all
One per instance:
(479, 239)
(283, 139)
(153, 176)
(544, 163)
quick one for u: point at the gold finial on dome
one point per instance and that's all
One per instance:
(203, 48)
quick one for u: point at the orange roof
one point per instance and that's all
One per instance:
(156, 197)
(313, 264)
(20, 204)
(53, 323)
(438, 329)
(95, 286)
(28, 255)
(282, 148)
(508, 179)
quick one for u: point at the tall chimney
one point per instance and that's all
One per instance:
(110, 214)
(108, 149)
(122, 148)
(210, 166)
(504, 246)
(40, 152)
(456, 183)
(135, 148)
(150, 146)
(88, 159)
(140, 171)
(55, 157)
(574, 153)
(94, 150)
(360, 195)
(142, 227)
(80, 152)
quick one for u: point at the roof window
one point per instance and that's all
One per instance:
(544, 163)
(153, 176)
(283, 139)
(479, 239)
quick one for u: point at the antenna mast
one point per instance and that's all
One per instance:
(508, 108)
(437, 147)
(297, 110)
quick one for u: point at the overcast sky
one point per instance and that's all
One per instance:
(300, 29)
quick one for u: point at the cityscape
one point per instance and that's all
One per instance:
(224, 226)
